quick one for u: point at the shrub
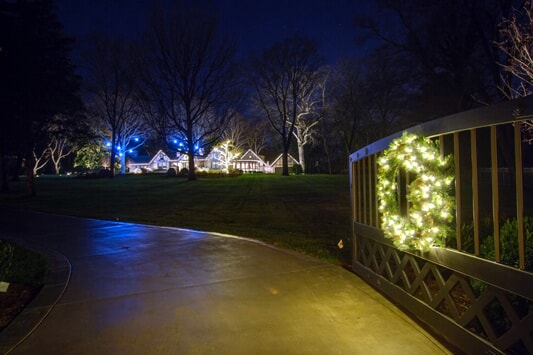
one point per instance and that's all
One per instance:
(184, 172)
(104, 173)
(467, 234)
(236, 172)
(89, 174)
(22, 266)
(6, 259)
(509, 256)
(509, 243)
(171, 172)
(297, 169)
(202, 173)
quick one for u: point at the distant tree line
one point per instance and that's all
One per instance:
(180, 85)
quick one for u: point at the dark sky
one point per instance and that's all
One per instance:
(254, 24)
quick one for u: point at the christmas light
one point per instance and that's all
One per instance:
(430, 205)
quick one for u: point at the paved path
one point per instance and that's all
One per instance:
(121, 288)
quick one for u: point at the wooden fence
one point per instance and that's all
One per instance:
(477, 291)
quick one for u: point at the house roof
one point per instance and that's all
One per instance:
(289, 157)
(250, 155)
(160, 155)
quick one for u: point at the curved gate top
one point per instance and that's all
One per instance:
(476, 290)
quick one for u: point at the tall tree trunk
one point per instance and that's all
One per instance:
(301, 156)
(57, 167)
(192, 173)
(285, 162)
(190, 148)
(112, 156)
(123, 163)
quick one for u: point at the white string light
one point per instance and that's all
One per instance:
(430, 204)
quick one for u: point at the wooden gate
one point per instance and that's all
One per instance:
(477, 291)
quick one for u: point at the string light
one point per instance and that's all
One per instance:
(430, 204)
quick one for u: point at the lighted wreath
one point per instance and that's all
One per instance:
(430, 206)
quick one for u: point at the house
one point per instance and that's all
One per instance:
(277, 164)
(211, 161)
(249, 162)
(160, 161)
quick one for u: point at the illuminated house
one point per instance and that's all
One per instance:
(249, 162)
(277, 164)
(160, 161)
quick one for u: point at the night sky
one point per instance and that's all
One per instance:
(254, 24)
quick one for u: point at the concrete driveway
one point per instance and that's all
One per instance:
(122, 288)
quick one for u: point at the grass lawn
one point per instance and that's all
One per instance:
(307, 213)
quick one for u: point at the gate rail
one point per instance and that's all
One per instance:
(476, 301)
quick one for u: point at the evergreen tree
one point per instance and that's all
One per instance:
(37, 79)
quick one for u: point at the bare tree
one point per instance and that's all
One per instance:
(40, 159)
(517, 46)
(346, 110)
(226, 154)
(59, 149)
(349, 124)
(113, 83)
(134, 134)
(311, 112)
(257, 135)
(236, 131)
(65, 134)
(190, 79)
(387, 95)
(248, 133)
(446, 47)
(284, 77)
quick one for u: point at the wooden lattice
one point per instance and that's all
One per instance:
(499, 317)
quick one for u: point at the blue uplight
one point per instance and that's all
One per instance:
(108, 144)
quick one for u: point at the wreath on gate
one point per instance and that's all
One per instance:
(430, 206)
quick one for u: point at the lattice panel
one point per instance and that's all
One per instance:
(503, 319)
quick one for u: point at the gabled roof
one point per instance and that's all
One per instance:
(289, 157)
(158, 154)
(212, 153)
(250, 155)
(183, 157)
